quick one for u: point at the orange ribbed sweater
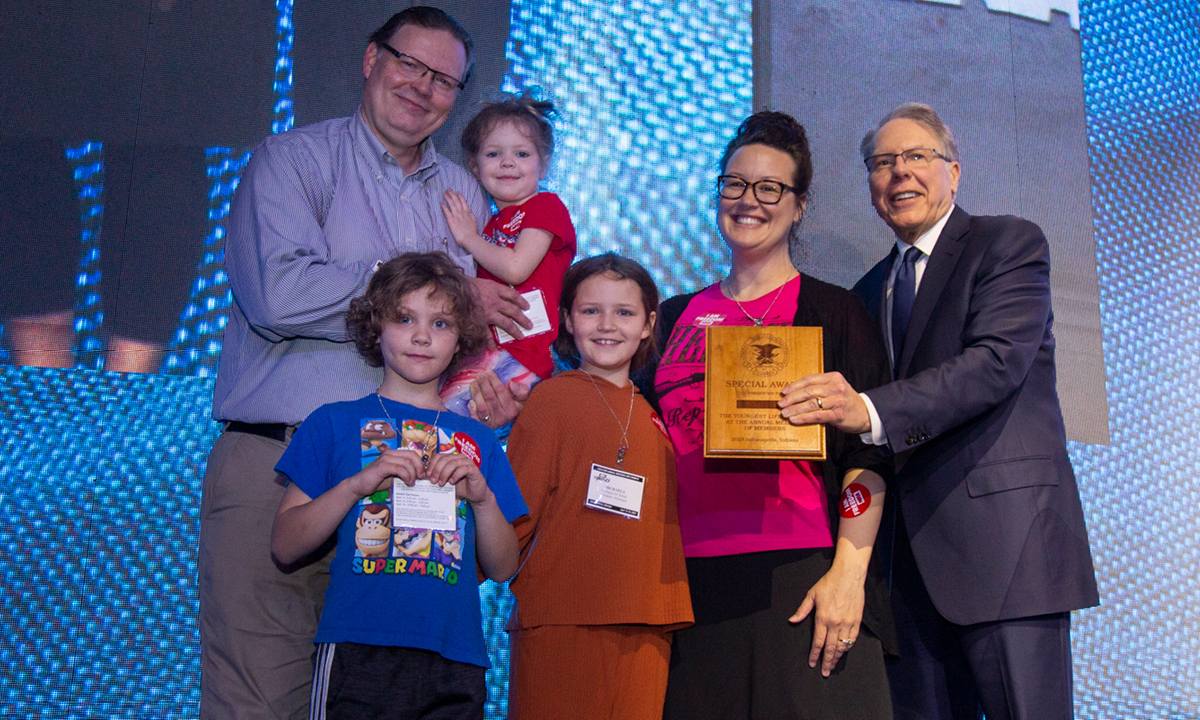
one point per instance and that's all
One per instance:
(589, 567)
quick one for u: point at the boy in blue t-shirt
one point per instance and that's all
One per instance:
(418, 497)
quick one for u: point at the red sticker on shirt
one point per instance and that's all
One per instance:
(856, 499)
(659, 424)
(466, 446)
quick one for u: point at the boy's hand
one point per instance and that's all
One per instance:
(462, 221)
(460, 471)
(404, 464)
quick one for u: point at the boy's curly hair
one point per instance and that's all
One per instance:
(406, 274)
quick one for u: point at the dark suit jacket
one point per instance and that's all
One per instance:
(984, 482)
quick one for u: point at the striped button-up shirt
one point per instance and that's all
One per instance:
(316, 208)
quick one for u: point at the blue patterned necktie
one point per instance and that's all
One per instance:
(904, 291)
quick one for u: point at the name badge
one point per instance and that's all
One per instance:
(615, 491)
(424, 505)
(536, 313)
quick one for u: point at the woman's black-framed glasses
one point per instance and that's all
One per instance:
(767, 192)
(414, 69)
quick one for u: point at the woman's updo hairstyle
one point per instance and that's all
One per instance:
(780, 131)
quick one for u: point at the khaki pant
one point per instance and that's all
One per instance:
(257, 620)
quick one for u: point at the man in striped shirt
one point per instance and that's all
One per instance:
(316, 210)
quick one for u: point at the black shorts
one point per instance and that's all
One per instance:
(354, 681)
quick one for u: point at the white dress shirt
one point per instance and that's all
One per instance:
(925, 243)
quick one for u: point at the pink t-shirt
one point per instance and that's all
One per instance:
(731, 506)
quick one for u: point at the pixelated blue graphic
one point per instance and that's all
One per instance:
(497, 605)
(1135, 654)
(650, 91)
(87, 164)
(99, 506)
(195, 347)
(284, 35)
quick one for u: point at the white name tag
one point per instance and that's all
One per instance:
(424, 505)
(536, 314)
(615, 491)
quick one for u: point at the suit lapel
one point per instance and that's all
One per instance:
(882, 304)
(872, 288)
(933, 281)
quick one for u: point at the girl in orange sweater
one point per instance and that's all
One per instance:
(602, 583)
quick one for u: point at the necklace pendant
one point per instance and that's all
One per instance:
(758, 323)
(621, 455)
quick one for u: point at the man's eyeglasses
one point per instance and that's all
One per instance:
(916, 159)
(767, 192)
(413, 69)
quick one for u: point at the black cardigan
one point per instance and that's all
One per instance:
(854, 347)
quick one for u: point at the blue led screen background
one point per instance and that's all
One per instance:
(123, 130)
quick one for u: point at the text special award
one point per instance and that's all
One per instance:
(746, 369)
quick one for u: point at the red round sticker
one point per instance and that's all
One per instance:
(856, 499)
(466, 446)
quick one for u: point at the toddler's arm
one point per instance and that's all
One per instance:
(512, 265)
(303, 523)
(495, 541)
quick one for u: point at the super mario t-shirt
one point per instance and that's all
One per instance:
(393, 585)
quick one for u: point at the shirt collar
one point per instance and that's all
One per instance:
(929, 238)
(381, 160)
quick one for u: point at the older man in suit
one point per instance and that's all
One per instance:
(989, 553)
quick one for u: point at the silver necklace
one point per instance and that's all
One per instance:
(758, 321)
(624, 430)
(430, 435)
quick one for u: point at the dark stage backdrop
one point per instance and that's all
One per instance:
(124, 127)
(1010, 85)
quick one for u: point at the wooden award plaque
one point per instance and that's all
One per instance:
(746, 368)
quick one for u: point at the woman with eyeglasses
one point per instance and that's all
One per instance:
(791, 612)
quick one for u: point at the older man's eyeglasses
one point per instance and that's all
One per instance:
(767, 192)
(413, 69)
(916, 159)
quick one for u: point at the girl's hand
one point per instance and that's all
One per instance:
(838, 599)
(404, 464)
(463, 224)
(460, 471)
